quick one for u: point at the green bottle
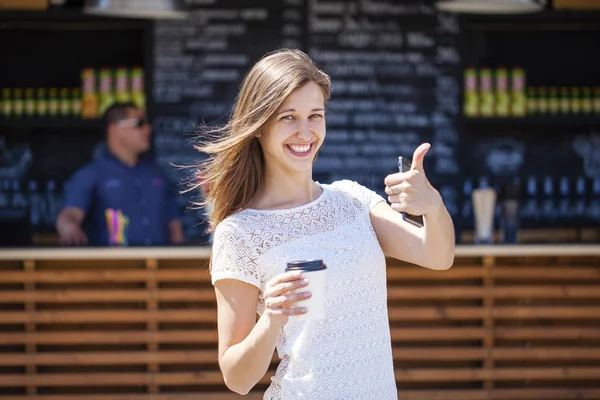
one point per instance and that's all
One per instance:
(7, 103)
(542, 100)
(18, 103)
(586, 100)
(76, 102)
(65, 103)
(30, 102)
(42, 103)
(596, 100)
(53, 105)
(565, 101)
(553, 101)
(532, 101)
(575, 100)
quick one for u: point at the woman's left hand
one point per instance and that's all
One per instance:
(411, 192)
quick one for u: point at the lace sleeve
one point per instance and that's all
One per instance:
(232, 257)
(366, 196)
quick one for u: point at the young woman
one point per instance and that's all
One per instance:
(268, 211)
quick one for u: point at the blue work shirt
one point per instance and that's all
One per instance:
(142, 193)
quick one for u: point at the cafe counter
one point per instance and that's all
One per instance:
(505, 322)
(203, 252)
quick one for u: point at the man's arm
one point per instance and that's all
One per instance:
(68, 226)
(78, 199)
(176, 235)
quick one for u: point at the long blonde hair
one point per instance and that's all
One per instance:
(234, 169)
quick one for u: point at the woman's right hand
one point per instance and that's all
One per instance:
(280, 298)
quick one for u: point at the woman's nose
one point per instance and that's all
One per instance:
(304, 131)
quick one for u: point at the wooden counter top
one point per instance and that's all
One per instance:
(202, 252)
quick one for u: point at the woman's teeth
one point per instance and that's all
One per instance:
(300, 149)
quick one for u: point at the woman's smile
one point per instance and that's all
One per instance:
(300, 150)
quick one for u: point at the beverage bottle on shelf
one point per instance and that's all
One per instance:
(586, 100)
(76, 102)
(18, 103)
(543, 100)
(548, 204)
(518, 98)
(553, 101)
(596, 100)
(484, 183)
(89, 107)
(580, 198)
(138, 91)
(484, 211)
(532, 101)
(471, 105)
(106, 94)
(575, 100)
(509, 205)
(502, 93)
(7, 103)
(30, 102)
(41, 103)
(486, 87)
(64, 103)
(53, 102)
(531, 207)
(564, 204)
(122, 90)
(565, 101)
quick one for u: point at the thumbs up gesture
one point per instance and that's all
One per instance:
(410, 191)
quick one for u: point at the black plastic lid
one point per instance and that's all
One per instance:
(306, 265)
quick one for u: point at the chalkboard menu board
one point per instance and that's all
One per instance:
(198, 66)
(395, 68)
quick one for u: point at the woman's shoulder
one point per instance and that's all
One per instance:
(355, 190)
(344, 185)
(233, 222)
(240, 223)
(348, 187)
(232, 231)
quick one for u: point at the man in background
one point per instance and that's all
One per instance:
(122, 198)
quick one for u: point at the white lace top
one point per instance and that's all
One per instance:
(348, 354)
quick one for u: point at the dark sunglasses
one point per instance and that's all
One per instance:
(132, 123)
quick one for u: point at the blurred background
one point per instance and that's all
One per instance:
(507, 92)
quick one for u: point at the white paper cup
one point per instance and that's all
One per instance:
(315, 271)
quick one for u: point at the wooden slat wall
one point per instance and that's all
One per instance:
(488, 328)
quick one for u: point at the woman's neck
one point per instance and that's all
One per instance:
(282, 191)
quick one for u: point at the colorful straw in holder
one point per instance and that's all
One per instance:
(117, 224)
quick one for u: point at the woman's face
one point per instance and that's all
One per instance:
(295, 133)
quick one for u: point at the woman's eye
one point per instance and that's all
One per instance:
(287, 118)
(317, 116)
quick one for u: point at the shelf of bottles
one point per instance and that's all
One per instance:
(545, 201)
(77, 107)
(502, 95)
